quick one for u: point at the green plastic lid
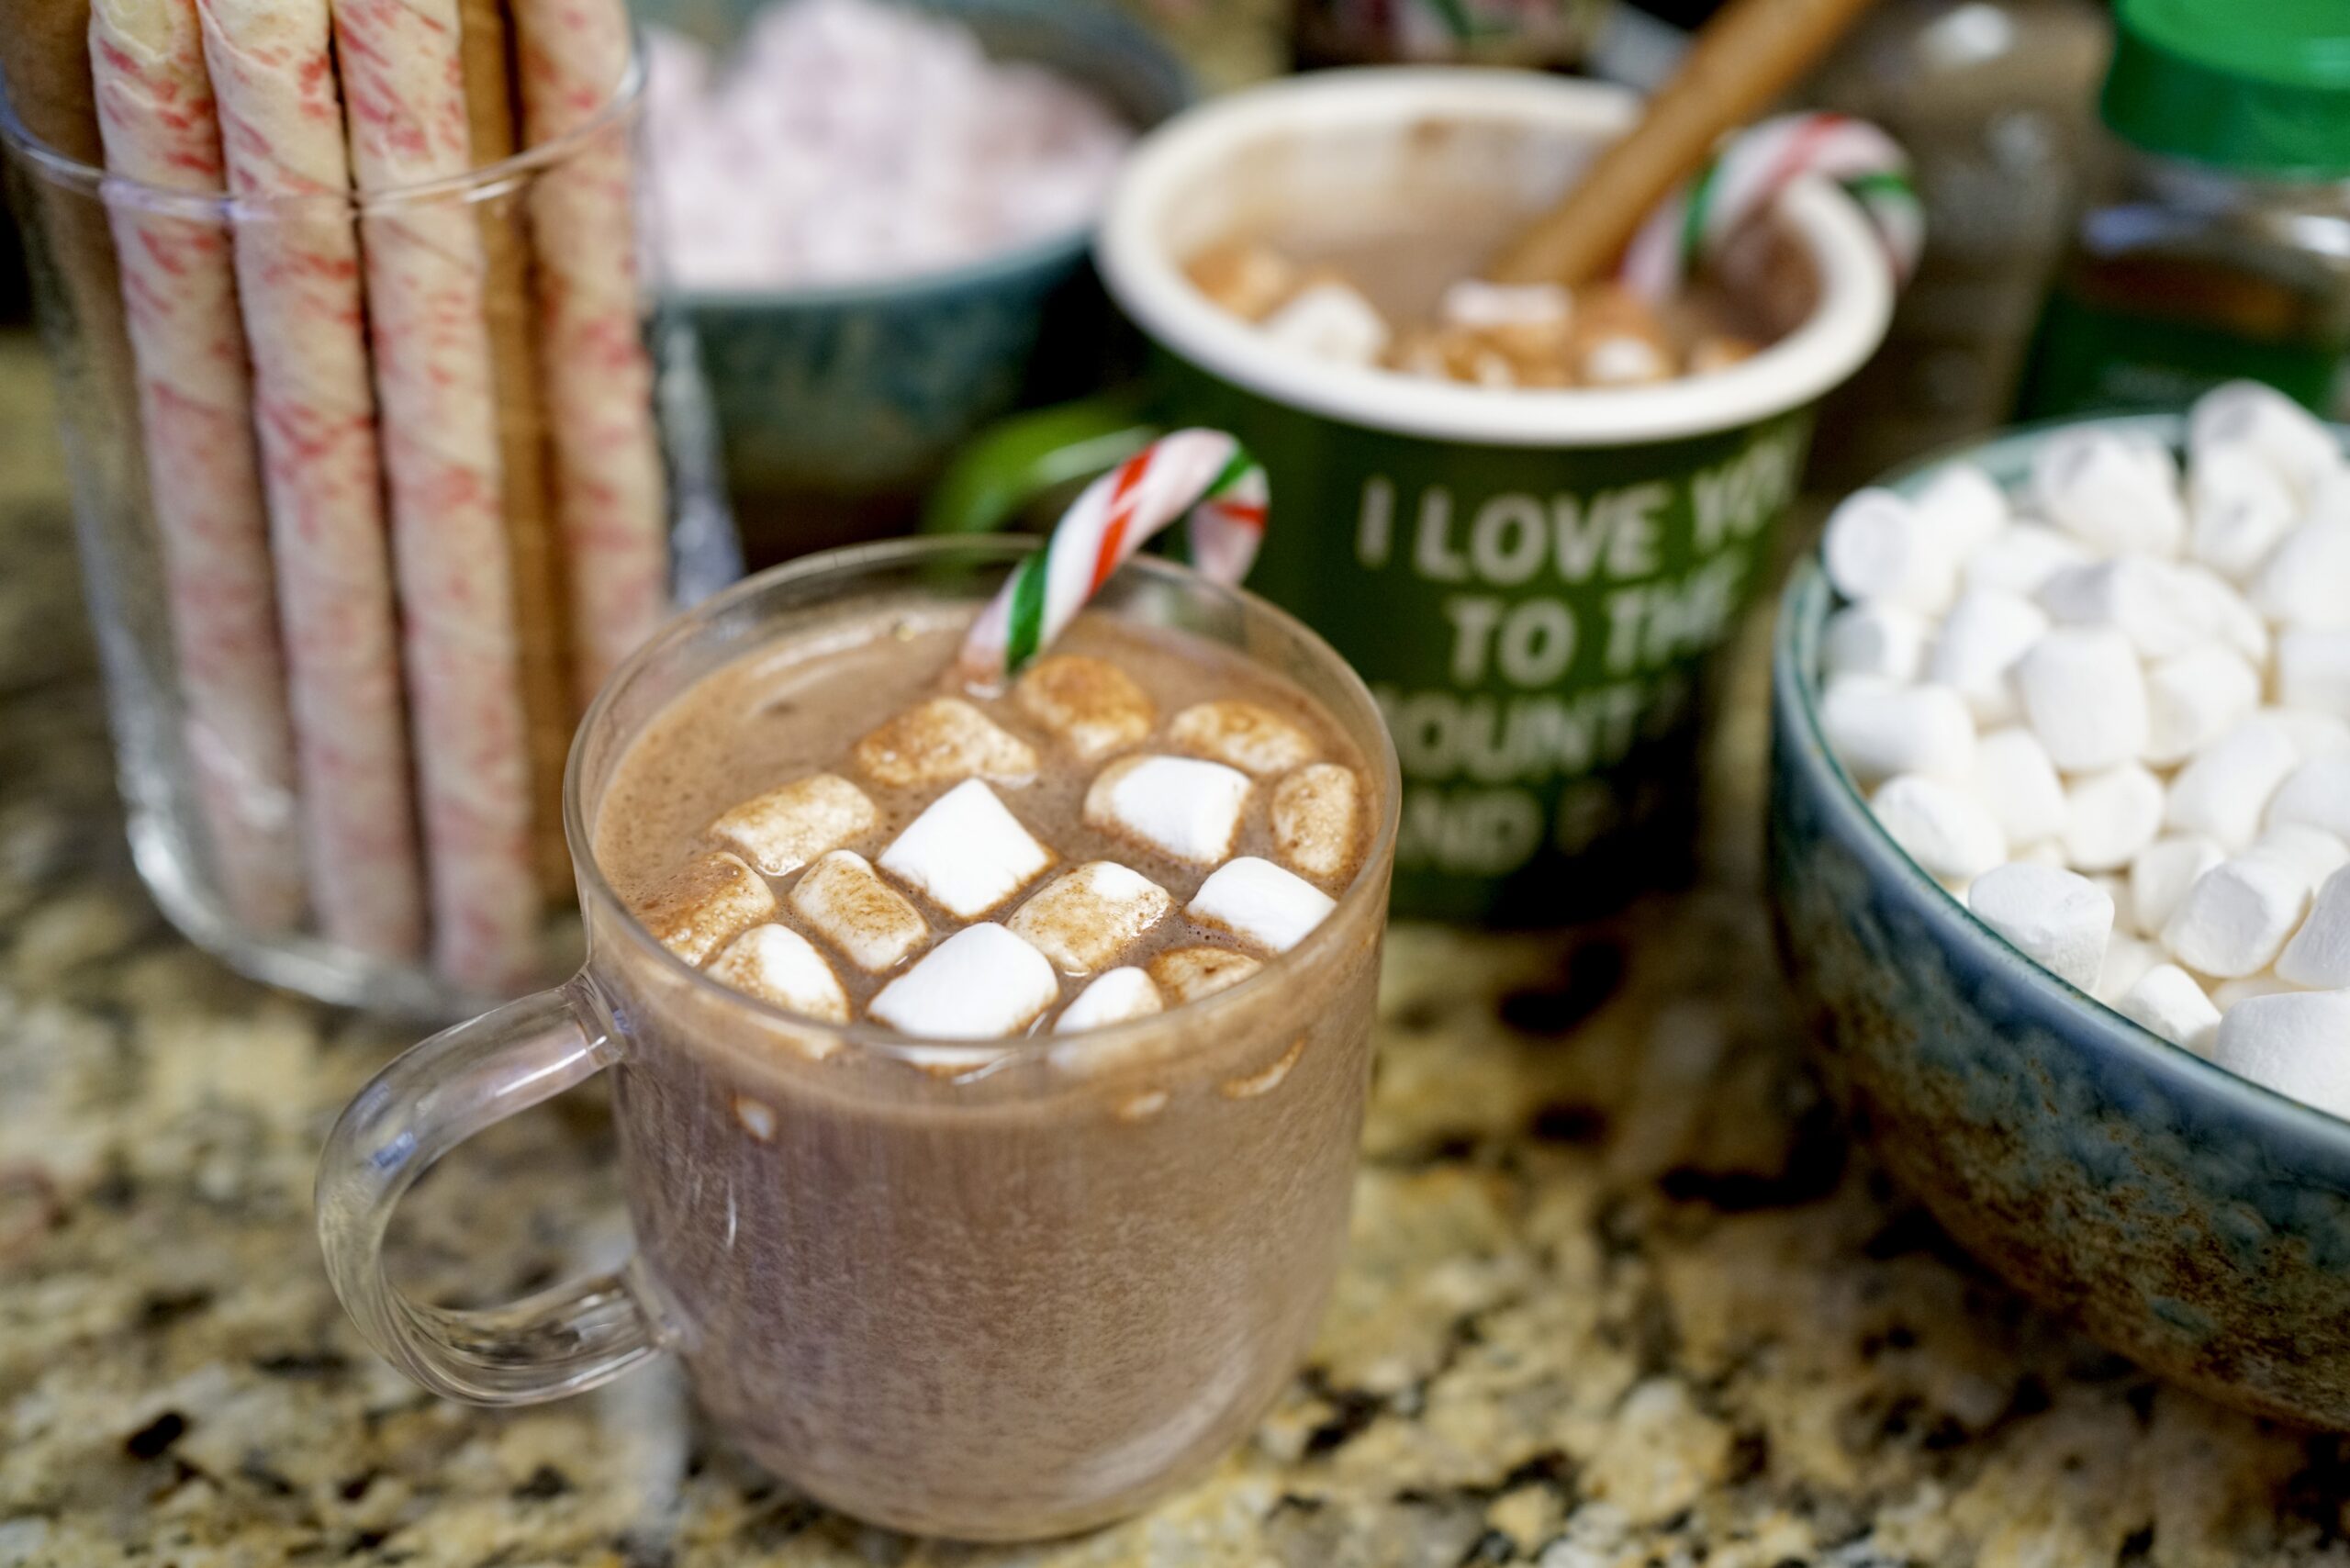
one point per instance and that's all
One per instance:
(2260, 85)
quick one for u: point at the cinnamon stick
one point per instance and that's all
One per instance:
(1744, 58)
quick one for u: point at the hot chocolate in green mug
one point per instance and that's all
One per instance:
(1532, 580)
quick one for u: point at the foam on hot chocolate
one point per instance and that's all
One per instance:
(965, 865)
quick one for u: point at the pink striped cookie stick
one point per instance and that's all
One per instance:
(297, 274)
(609, 481)
(157, 121)
(403, 93)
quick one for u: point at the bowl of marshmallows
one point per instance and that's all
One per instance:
(2060, 859)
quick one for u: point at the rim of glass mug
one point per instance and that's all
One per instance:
(491, 182)
(1135, 251)
(980, 550)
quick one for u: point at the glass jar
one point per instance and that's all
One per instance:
(2218, 242)
(1994, 102)
(370, 488)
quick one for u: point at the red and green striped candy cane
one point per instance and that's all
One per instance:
(1693, 224)
(1203, 478)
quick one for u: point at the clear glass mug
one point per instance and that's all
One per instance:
(221, 617)
(1002, 1303)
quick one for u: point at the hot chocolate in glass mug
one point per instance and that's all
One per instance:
(990, 1289)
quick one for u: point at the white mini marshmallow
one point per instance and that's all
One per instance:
(2241, 508)
(1246, 735)
(1092, 705)
(967, 853)
(2311, 852)
(2306, 581)
(1087, 918)
(2167, 1001)
(2318, 794)
(1116, 996)
(2194, 698)
(2145, 600)
(1877, 729)
(1259, 903)
(2252, 414)
(2314, 735)
(2319, 955)
(1622, 359)
(2127, 958)
(2021, 558)
(2085, 697)
(2115, 885)
(1987, 631)
(2226, 787)
(982, 983)
(2110, 492)
(2015, 779)
(2112, 816)
(1478, 304)
(2296, 1043)
(1946, 831)
(777, 964)
(2163, 872)
(784, 829)
(1313, 816)
(2060, 920)
(941, 741)
(1178, 805)
(1877, 551)
(2227, 994)
(846, 901)
(2314, 670)
(2236, 917)
(1963, 507)
(1330, 322)
(2222, 611)
(1882, 640)
(707, 903)
(1187, 974)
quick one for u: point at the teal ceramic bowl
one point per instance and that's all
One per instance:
(2187, 1217)
(837, 405)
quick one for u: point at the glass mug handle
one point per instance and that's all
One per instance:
(438, 1093)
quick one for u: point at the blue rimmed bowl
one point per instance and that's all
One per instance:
(837, 404)
(2186, 1217)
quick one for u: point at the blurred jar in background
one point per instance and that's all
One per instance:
(2218, 242)
(1552, 34)
(1992, 100)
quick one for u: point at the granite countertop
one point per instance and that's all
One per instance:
(1618, 1296)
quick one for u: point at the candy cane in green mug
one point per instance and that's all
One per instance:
(1532, 583)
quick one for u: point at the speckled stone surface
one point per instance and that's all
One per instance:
(1618, 1295)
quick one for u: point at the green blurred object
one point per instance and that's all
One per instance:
(2219, 245)
(2261, 87)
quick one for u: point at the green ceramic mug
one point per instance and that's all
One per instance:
(1531, 582)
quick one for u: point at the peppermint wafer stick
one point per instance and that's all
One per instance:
(609, 479)
(522, 443)
(297, 273)
(157, 121)
(403, 87)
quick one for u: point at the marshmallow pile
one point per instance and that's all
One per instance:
(850, 140)
(2113, 712)
(1536, 336)
(972, 925)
